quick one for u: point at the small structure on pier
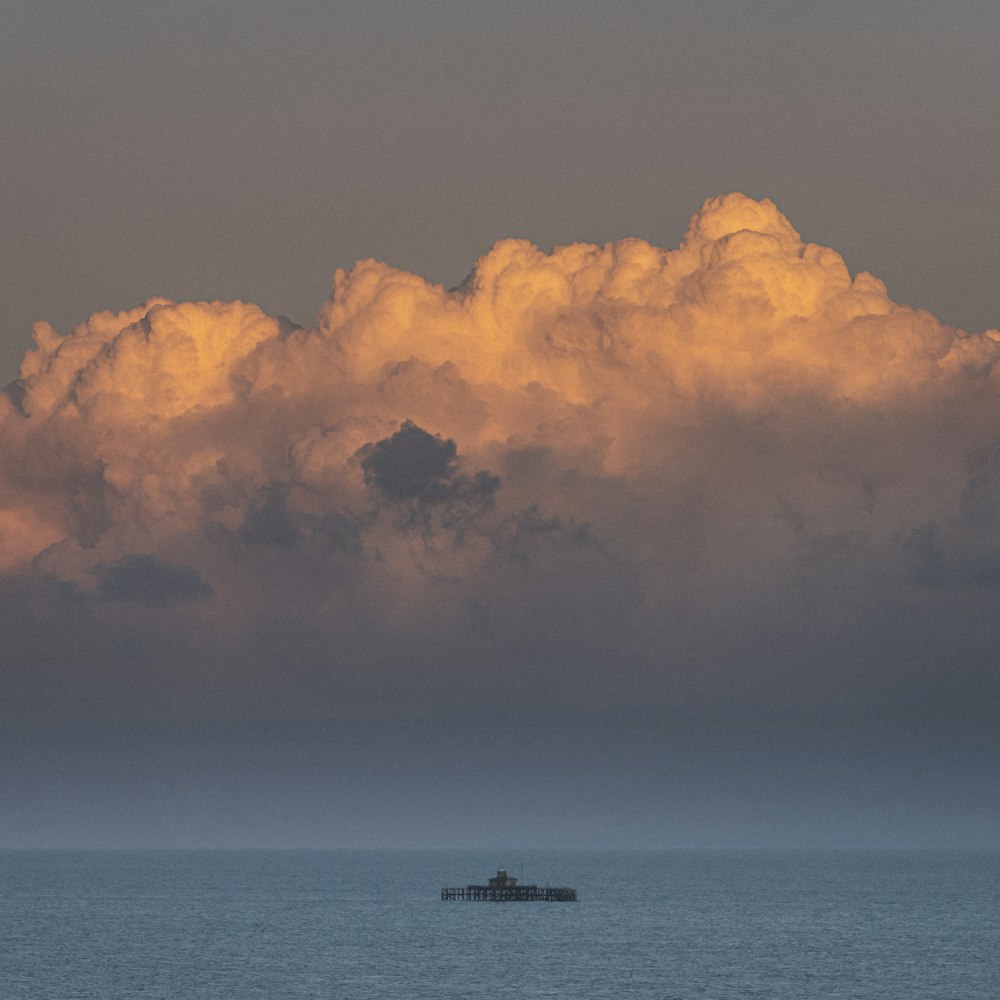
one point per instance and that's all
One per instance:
(502, 888)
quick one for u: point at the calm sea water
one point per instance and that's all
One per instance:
(284, 925)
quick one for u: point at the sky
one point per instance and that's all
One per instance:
(442, 424)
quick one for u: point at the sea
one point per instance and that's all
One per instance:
(672, 925)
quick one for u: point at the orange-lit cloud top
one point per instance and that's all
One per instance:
(622, 427)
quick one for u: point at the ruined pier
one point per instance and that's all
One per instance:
(504, 889)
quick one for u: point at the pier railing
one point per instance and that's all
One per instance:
(517, 894)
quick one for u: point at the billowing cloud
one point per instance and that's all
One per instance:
(603, 476)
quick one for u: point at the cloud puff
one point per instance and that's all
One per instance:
(151, 581)
(605, 474)
(415, 465)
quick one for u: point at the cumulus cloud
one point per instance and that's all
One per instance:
(606, 474)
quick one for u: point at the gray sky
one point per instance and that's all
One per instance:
(702, 546)
(244, 150)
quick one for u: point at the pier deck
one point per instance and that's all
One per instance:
(517, 894)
